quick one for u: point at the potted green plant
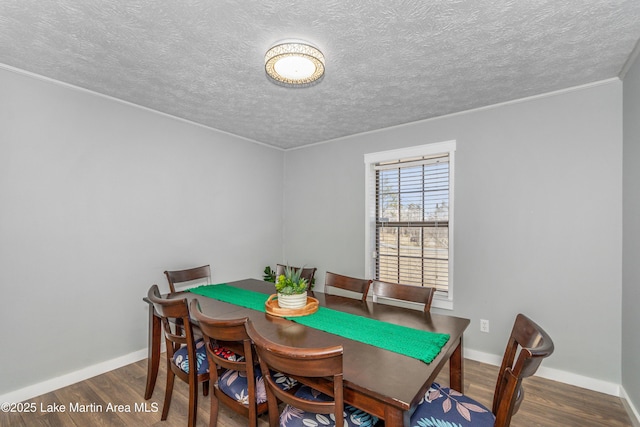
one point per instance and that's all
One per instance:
(269, 275)
(291, 288)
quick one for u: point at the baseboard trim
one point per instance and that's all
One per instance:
(553, 374)
(56, 383)
(634, 415)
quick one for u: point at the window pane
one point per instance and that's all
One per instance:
(436, 188)
(388, 241)
(411, 242)
(436, 244)
(388, 198)
(436, 241)
(411, 207)
(411, 180)
(388, 180)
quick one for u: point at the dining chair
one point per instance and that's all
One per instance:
(237, 363)
(444, 406)
(188, 275)
(420, 294)
(305, 406)
(361, 286)
(307, 273)
(182, 350)
(184, 276)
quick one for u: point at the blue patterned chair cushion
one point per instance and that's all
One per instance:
(234, 384)
(181, 358)
(443, 406)
(294, 417)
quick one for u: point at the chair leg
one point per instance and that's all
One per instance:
(253, 414)
(213, 412)
(274, 415)
(193, 402)
(205, 388)
(168, 391)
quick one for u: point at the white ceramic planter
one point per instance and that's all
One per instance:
(292, 301)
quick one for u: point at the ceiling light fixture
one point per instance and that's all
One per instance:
(294, 64)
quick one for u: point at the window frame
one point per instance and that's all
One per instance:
(440, 300)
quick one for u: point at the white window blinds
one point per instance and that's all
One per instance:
(412, 221)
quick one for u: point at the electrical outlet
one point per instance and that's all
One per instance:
(484, 325)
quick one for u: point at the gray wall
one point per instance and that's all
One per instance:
(537, 218)
(631, 239)
(97, 199)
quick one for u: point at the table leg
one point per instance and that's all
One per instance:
(153, 358)
(456, 369)
(393, 417)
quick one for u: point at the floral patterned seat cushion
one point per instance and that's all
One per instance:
(234, 384)
(294, 417)
(444, 407)
(181, 358)
(225, 353)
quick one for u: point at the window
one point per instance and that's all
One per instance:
(410, 217)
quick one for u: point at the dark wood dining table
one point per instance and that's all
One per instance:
(386, 384)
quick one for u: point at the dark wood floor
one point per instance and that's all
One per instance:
(547, 403)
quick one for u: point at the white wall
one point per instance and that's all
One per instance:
(631, 239)
(537, 225)
(97, 199)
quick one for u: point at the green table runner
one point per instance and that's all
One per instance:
(421, 345)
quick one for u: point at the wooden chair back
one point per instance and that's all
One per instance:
(178, 331)
(420, 294)
(307, 272)
(299, 363)
(173, 311)
(232, 335)
(528, 345)
(191, 274)
(361, 286)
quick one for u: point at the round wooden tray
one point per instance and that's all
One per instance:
(272, 307)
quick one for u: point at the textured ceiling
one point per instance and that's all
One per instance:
(387, 62)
